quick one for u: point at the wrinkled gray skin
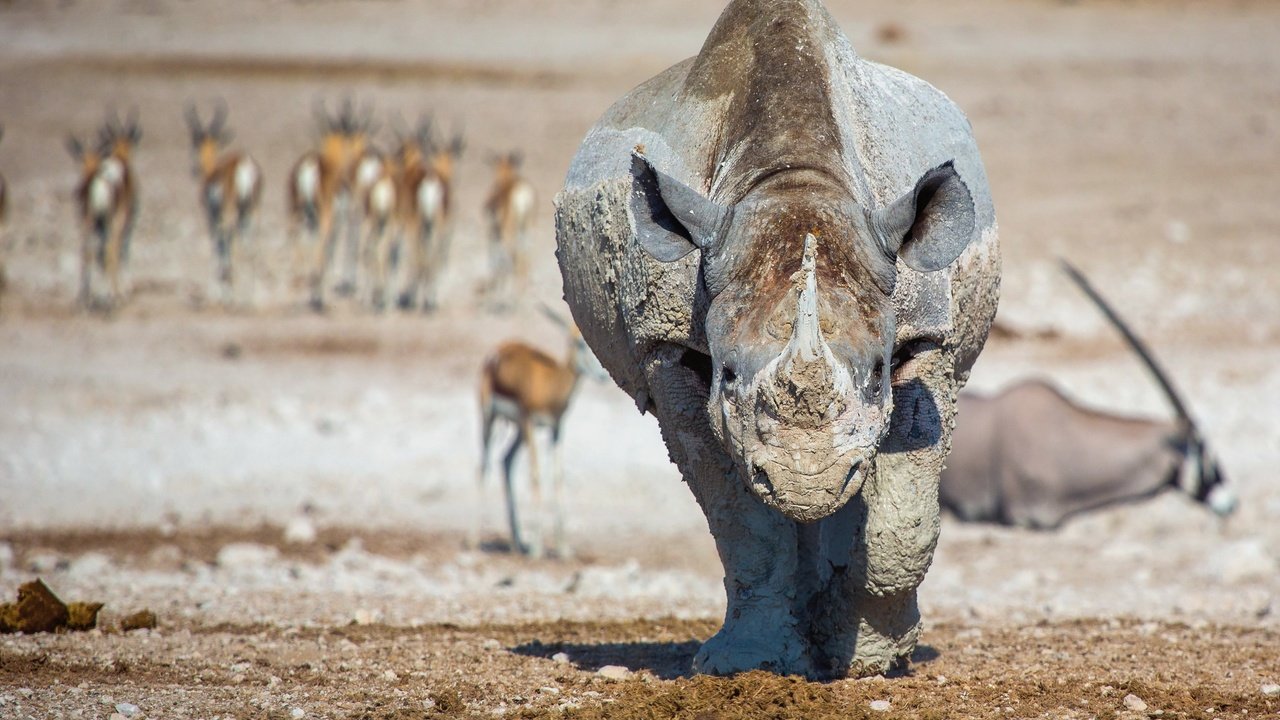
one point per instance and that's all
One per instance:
(788, 254)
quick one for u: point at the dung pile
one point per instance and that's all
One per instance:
(39, 610)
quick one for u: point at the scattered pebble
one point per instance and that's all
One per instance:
(491, 644)
(300, 531)
(562, 658)
(942, 679)
(548, 690)
(614, 672)
(1134, 703)
(390, 676)
(364, 616)
(127, 709)
(297, 713)
(880, 705)
(1271, 689)
(26, 692)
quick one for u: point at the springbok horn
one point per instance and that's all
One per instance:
(219, 118)
(193, 121)
(553, 316)
(1138, 346)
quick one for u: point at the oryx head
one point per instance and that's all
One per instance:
(801, 325)
(1198, 475)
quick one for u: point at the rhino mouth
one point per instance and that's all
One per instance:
(807, 496)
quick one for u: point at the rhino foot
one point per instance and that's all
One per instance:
(740, 647)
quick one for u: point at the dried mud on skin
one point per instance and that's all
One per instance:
(1081, 669)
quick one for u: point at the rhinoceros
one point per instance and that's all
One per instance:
(788, 255)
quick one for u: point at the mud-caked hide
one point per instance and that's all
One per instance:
(788, 255)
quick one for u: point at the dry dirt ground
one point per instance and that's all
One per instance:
(177, 456)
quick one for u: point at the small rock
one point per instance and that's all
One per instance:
(548, 690)
(1134, 703)
(614, 672)
(365, 617)
(491, 644)
(297, 713)
(26, 692)
(880, 705)
(300, 531)
(1271, 689)
(241, 556)
(390, 676)
(116, 716)
(942, 679)
(127, 709)
(141, 620)
(562, 658)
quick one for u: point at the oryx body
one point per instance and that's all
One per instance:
(788, 254)
(1030, 456)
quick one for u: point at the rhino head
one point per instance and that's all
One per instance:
(800, 322)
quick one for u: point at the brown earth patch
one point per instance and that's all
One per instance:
(1073, 669)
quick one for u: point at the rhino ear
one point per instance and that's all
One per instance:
(672, 219)
(932, 224)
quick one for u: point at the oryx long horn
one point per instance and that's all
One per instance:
(1138, 346)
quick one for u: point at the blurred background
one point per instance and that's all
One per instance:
(279, 463)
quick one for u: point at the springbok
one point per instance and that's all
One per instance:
(430, 194)
(385, 204)
(319, 189)
(1031, 457)
(529, 388)
(509, 210)
(230, 190)
(107, 200)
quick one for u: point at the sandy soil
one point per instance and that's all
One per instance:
(174, 456)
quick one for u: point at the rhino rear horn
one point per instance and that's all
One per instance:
(931, 224)
(672, 219)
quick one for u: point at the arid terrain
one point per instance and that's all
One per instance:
(290, 492)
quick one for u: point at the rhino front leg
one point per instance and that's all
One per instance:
(869, 621)
(765, 625)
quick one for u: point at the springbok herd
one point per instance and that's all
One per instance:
(364, 222)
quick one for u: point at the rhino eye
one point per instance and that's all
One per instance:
(729, 377)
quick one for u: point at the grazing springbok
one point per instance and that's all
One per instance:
(509, 211)
(430, 194)
(230, 190)
(107, 202)
(1031, 457)
(529, 388)
(319, 190)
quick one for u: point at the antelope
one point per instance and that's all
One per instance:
(385, 200)
(429, 191)
(1031, 457)
(107, 201)
(528, 388)
(509, 210)
(319, 187)
(230, 189)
